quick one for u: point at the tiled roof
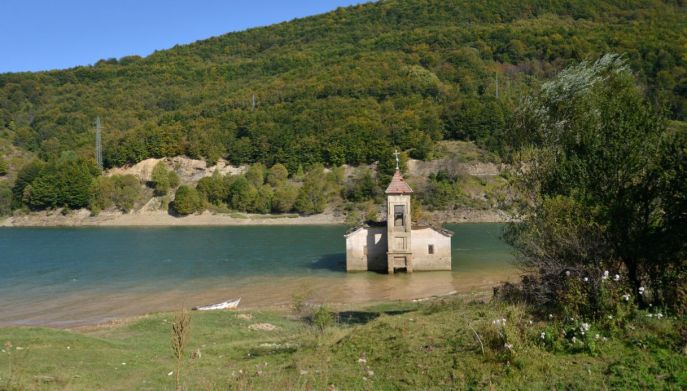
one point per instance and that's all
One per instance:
(398, 185)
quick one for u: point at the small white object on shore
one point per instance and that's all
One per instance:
(230, 304)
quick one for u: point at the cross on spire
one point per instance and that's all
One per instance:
(396, 153)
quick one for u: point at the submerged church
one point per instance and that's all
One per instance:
(395, 245)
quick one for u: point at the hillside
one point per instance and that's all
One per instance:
(342, 87)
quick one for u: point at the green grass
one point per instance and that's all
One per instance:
(391, 346)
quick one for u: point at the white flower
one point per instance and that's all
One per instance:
(626, 297)
(170, 374)
(605, 276)
(531, 322)
(610, 316)
(499, 322)
(543, 335)
(584, 327)
(567, 273)
(659, 315)
(650, 315)
(585, 279)
(508, 346)
(574, 339)
(596, 336)
(550, 316)
(604, 339)
(616, 277)
(641, 290)
(362, 360)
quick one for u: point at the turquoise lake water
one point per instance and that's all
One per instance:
(73, 276)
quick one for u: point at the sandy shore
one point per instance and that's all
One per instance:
(161, 218)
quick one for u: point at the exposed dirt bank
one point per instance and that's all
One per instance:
(161, 218)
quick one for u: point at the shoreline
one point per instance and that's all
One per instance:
(479, 294)
(83, 218)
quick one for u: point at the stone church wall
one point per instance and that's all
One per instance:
(423, 238)
(366, 249)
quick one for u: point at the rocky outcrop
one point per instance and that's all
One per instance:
(189, 170)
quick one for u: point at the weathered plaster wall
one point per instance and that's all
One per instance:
(422, 260)
(366, 249)
(375, 239)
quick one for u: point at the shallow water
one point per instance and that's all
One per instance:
(74, 276)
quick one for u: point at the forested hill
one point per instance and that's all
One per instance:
(342, 87)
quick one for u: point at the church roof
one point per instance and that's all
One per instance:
(398, 185)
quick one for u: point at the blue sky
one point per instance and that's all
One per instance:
(53, 34)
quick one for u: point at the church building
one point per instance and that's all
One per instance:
(395, 245)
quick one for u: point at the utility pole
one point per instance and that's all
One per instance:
(98, 144)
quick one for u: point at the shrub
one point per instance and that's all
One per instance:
(323, 318)
(186, 201)
(160, 178)
(120, 191)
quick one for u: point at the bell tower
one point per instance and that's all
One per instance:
(398, 224)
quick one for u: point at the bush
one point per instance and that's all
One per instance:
(323, 318)
(160, 178)
(120, 191)
(187, 201)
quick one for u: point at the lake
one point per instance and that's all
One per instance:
(67, 277)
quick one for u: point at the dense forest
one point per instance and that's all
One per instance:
(342, 87)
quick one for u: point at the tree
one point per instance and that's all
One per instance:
(263, 199)
(593, 178)
(277, 175)
(5, 199)
(242, 194)
(186, 201)
(160, 178)
(284, 198)
(256, 174)
(214, 189)
(25, 177)
(69, 183)
(312, 197)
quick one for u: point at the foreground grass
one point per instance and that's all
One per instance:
(439, 345)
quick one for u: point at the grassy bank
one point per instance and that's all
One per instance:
(448, 344)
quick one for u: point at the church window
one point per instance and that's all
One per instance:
(399, 211)
(430, 249)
